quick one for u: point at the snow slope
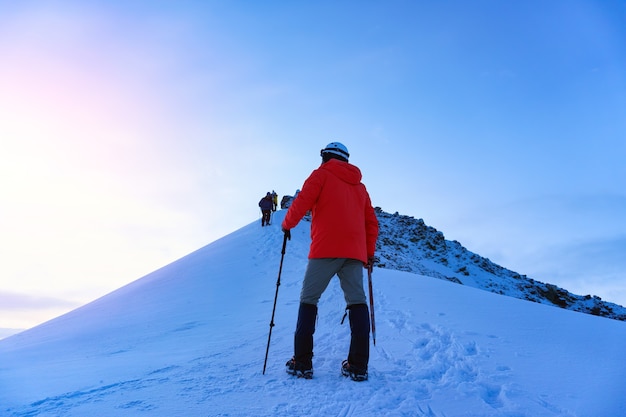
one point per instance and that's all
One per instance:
(8, 332)
(189, 340)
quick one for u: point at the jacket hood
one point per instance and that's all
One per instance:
(343, 170)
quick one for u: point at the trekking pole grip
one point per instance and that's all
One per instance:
(284, 244)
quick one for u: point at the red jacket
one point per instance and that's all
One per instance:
(344, 224)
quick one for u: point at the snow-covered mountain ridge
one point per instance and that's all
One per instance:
(408, 244)
(189, 340)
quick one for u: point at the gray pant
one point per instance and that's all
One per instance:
(319, 272)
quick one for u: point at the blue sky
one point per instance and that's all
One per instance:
(135, 132)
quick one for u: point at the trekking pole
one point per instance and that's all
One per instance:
(369, 280)
(280, 269)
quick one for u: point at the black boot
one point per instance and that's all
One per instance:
(358, 357)
(302, 362)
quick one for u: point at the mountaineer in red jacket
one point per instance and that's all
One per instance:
(344, 229)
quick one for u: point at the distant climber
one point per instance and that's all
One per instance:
(274, 200)
(266, 205)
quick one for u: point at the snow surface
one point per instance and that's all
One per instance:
(190, 338)
(8, 332)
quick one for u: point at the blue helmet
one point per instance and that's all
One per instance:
(336, 148)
